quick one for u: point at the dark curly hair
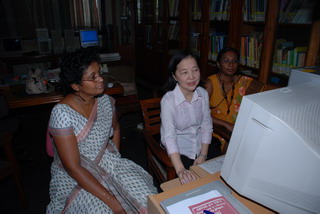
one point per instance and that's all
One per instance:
(172, 68)
(73, 66)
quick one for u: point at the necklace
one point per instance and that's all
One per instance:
(79, 104)
(229, 102)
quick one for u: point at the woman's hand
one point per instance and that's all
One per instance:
(199, 160)
(115, 206)
(186, 176)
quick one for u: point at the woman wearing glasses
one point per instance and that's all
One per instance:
(226, 89)
(88, 174)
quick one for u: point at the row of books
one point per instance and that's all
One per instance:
(173, 8)
(250, 51)
(218, 40)
(173, 31)
(297, 11)
(219, 9)
(125, 8)
(291, 11)
(288, 56)
(196, 7)
(195, 43)
(148, 36)
(254, 10)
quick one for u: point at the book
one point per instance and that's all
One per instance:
(214, 197)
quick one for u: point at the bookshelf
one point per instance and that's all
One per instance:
(250, 22)
(126, 22)
(298, 33)
(257, 28)
(161, 29)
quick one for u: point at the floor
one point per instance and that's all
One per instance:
(35, 164)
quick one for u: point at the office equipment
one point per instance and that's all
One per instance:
(305, 74)
(52, 75)
(12, 44)
(11, 47)
(274, 155)
(69, 40)
(56, 39)
(89, 38)
(44, 42)
(214, 165)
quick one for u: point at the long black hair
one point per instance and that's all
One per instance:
(172, 67)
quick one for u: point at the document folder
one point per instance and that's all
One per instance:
(213, 196)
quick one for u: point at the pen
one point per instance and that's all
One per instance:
(207, 212)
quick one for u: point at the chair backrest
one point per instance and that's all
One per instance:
(4, 109)
(151, 114)
(254, 87)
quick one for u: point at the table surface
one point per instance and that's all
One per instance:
(16, 101)
(171, 185)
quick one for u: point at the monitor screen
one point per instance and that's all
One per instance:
(89, 38)
(12, 44)
(273, 156)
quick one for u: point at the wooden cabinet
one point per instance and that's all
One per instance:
(258, 26)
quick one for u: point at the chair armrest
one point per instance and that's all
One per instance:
(156, 149)
(222, 132)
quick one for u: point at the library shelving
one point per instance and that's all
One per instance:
(160, 30)
(273, 36)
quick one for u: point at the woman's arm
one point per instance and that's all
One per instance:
(168, 138)
(70, 158)
(219, 122)
(206, 129)
(185, 176)
(203, 154)
(116, 131)
(115, 125)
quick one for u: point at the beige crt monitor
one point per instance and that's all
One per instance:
(274, 153)
(304, 74)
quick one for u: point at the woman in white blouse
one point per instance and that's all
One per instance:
(186, 124)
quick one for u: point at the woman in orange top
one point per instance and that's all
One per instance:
(226, 89)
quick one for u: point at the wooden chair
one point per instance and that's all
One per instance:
(159, 163)
(9, 166)
(254, 87)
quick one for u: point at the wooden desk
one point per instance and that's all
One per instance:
(15, 101)
(54, 59)
(174, 187)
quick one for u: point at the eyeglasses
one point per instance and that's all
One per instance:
(94, 78)
(227, 61)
